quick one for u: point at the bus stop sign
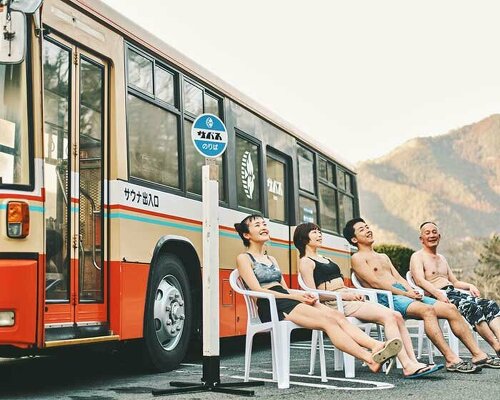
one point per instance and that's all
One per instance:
(209, 135)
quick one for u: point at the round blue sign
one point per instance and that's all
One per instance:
(209, 135)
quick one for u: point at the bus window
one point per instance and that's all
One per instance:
(248, 174)
(327, 196)
(276, 195)
(328, 207)
(211, 104)
(193, 99)
(307, 210)
(346, 199)
(153, 142)
(306, 169)
(165, 86)
(14, 157)
(140, 71)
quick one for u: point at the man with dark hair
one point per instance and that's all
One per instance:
(431, 272)
(376, 270)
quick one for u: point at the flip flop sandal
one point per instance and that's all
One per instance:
(489, 362)
(391, 348)
(423, 371)
(463, 367)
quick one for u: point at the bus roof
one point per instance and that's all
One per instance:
(114, 20)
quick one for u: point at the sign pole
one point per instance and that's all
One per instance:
(211, 348)
(209, 137)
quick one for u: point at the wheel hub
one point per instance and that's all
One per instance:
(169, 312)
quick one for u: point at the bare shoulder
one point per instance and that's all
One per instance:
(242, 259)
(306, 262)
(416, 256)
(384, 256)
(357, 260)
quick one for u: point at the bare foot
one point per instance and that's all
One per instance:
(374, 367)
(479, 357)
(414, 367)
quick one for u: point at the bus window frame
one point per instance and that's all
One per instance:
(28, 70)
(253, 140)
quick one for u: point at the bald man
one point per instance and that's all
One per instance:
(431, 272)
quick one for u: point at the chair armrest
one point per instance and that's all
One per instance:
(330, 295)
(270, 297)
(372, 297)
(381, 291)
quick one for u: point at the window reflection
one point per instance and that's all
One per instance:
(164, 85)
(153, 142)
(140, 71)
(307, 210)
(328, 207)
(193, 99)
(276, 191)
(306, 169)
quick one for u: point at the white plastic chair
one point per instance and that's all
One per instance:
(420, 324)
(348, 363)
(279, 330)
(452, 339)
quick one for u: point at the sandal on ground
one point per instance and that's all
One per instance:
(428, 369)
(391, 348)
(463, 367)
(489, 362)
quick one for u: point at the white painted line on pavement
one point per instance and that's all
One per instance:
(377, 385)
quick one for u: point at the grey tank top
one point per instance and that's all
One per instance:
(265, 273)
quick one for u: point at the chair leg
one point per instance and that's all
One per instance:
(273, 358)
(282, 346)
(420, 339)
(453, 340)
(314, 343)
(349, 366)
(322, 362)
(430, 347)
(248, 355)
(339, 362)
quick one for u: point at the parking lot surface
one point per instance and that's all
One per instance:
(103, 376)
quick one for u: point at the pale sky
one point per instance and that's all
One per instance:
(361, 76)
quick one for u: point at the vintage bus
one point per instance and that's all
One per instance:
(100, 186)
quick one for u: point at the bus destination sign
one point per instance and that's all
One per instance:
(209, 135)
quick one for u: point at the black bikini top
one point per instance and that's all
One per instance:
(324, 272)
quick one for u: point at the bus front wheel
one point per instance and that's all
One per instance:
(168, 324)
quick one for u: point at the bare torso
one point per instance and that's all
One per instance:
(377, 265)
(435, 269)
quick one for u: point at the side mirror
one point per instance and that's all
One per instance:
(12, 37)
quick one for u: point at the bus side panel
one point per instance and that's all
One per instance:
(128, 286)
(18, 293)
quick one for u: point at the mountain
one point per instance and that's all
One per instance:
(452, 179)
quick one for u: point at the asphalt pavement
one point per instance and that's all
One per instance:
(89, 375)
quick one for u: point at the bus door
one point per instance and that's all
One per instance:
(75, 124)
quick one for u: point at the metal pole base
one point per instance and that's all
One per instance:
(211, 382)
(188, 387)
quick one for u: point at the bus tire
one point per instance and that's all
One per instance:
(168, 319)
